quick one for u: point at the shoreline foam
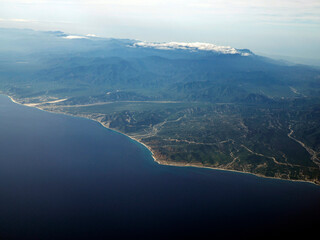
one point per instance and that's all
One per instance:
(164, 163)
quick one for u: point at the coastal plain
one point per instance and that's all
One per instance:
(218, 136)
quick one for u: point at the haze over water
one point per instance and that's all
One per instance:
(63, 177)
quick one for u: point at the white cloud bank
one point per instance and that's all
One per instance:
(74, 37)
(80, 37)
(195, 46)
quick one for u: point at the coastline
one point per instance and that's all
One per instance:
(153, 155)
(177, 164)
(96, 120)
(132, 138)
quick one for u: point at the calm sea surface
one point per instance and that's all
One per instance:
(69, 178)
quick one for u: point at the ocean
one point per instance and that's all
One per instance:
(64, 177)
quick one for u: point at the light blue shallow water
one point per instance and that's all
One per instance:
(69, 178)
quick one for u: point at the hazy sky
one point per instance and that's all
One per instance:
(283, 27)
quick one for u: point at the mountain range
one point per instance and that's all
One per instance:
(193, 103)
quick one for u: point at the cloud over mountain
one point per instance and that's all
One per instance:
(194, 46)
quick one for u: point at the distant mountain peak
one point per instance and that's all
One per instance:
(193, 46)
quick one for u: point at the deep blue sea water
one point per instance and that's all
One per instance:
(63, 177)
